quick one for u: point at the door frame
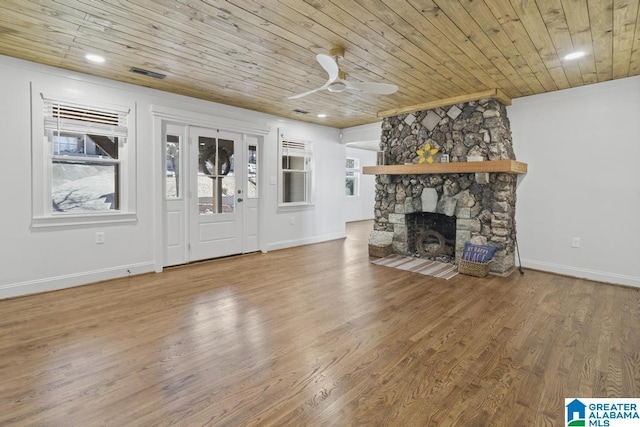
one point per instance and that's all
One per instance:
(160, 114)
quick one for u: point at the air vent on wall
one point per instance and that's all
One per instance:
(300, 111)
(147, 73)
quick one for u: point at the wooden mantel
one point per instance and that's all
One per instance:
(501, 166)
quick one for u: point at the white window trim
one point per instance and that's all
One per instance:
(41, 168)
(310, 203)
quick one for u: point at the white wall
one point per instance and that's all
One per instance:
(38, 260)
(583, 150)
(364, 136)
(360, 207)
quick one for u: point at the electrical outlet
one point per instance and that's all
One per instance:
(292, 220)
(99, 237)
(575, 242)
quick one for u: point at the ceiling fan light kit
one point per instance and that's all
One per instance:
(338, 82)
(337, 87)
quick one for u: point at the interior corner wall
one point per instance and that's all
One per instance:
(360, 207)
(54, 258)
(363, 133)
(363, 143)
(583, 151)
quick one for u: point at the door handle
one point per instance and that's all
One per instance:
(239, 199)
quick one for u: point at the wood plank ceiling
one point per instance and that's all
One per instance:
(256, 53)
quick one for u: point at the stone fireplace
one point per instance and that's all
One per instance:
(480, 207)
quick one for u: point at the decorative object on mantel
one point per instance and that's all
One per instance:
(437, 269)
(426, 154)
(444, 158)
(476, 259)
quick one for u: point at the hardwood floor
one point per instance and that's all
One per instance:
(316, 335)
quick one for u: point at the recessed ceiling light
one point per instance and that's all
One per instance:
(94, 58)
(322, 115)
(574, 55)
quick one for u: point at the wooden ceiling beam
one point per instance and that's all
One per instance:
(496, 94)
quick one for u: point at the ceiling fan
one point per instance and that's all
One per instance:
(337, 78)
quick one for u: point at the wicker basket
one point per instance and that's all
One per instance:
(379, 251)
(471, 268)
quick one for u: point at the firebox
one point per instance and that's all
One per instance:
(431, 235)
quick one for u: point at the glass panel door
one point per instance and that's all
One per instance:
(216, 219)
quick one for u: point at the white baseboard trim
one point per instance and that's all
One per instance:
(306, 241)
(71, 280)
(356, 219)
(583, 273)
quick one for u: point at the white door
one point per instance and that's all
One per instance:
(217, 176)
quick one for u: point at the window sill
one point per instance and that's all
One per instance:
(291, 207)
(74, 220)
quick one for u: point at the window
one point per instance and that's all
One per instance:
(81, 169)
(216, 176)
(85, 166)
(295, 172)
(252, 171)
(172, 168)
(352, 178)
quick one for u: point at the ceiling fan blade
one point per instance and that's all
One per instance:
(337, 79)
(329, 64)
(300, 95)
(377, 88)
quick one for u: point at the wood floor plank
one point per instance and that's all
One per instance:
(316, 335)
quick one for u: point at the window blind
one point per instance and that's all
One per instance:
(67, 117)
(299, 148)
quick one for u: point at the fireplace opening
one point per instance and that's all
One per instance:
(431, 236)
